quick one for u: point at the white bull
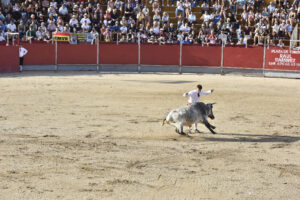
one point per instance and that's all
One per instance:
(187, 116)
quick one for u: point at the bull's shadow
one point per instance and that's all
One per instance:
(237, 137)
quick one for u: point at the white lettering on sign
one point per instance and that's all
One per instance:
(285, 58)
(279, 51)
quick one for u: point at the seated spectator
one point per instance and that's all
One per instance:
(30, 34)
(119, 5)
(165, 18)
(128, 11)
(212, 37)
(205, 7)
(85, 19)
(114, 16)
(155, 6)
(11, 26)
(156, 17)
(107, 18)
(191, 17)
(179, 8)
(280, 43)
(51, 10)
(184, 28)
(140, 18)
(73, 21)
(187, 6)
(206, 17)
(51, 26)
(39, 34)
(2, 36)
(123, 29)
(85, 27)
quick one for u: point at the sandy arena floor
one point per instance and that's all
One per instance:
(90, 136)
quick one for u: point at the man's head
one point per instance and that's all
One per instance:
(199, 88)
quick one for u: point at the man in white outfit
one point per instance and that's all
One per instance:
(22, 53)
(194, 96)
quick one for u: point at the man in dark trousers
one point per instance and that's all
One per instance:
(22, 53)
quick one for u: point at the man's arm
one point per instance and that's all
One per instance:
(206, 92)
(25, 51)
(187, 94)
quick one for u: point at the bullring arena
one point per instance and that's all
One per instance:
(75, 135)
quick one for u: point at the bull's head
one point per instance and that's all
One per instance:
(210, 113)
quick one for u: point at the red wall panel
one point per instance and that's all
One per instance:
(160, 54)
(241, 57)
(76, 54)
(111, 53)
(39, 54)
(196, 55)
(282, 59)
(9, 59)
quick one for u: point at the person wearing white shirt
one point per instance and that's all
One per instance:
(179, 8)
(85, 27)
(11, 26)
(63, 10)
(22, 53)
(85, 19)
(194, 96)
(73, 21)
(271, 8)
(192, 17)
(123, 29)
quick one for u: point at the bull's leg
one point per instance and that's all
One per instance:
(196, 128)
(209, 126)
(190, 129)
(181, 129)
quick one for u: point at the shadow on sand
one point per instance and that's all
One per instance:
(235, 137)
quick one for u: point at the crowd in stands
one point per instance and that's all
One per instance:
(153, 21)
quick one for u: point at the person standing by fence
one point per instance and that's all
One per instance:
(22, 53)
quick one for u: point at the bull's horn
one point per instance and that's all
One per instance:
(213, 103)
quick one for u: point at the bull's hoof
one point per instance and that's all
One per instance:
(213, 132)
(213, 127)
(197, 131)
(181, 133)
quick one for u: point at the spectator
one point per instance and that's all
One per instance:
(191, 17)
(85, 19)
(11, 26)
(30, 34)
(179, 8)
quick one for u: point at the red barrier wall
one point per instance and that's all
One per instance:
(196, 55)
(282, 59)
(159, 54)
(110, 53)
(76, 54)
(39, 54)
(241, 57)
(9, 59)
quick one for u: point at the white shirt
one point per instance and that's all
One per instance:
(193, 95)
(63, 10)
(22, 52)
(11, 27)
(73, 21)
(87, 20)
